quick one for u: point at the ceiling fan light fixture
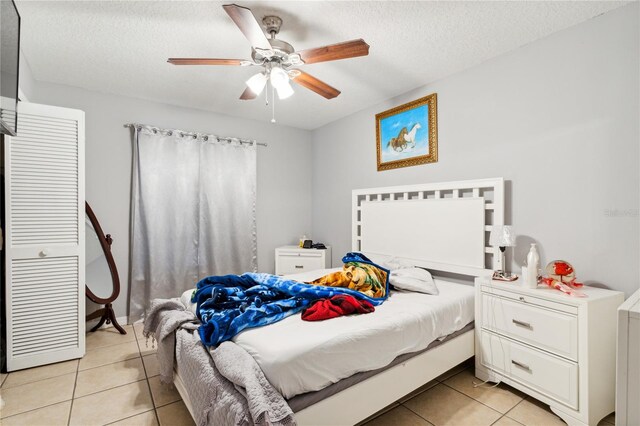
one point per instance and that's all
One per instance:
(264, 53)
(257, 82)
(284, 91)
(279, 78)
(295, 59)
(293, 73)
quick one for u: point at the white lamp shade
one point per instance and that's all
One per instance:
(279, 78)
(502, 236)
(257, 82)
(284, 91)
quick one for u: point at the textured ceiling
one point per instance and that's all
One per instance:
(121, 47)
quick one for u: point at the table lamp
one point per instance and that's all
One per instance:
(502, 236)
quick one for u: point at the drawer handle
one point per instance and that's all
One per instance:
(521, 323)
(521, 299)
(299, 266)
(521, 365)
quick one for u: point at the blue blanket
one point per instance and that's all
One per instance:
(228, 304)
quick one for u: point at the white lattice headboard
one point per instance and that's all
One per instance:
(440, 226)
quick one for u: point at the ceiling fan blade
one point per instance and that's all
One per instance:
(204, 61)
(247, 95)
(333, 52)
(248, 24)
(312, 83)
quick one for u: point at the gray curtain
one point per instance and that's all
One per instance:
(192, 212)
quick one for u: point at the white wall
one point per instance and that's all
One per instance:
(557, 118)
(284, 182)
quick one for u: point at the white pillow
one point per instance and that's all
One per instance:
(389, 262)
(413, 279)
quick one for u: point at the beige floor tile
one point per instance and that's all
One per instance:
(532, 412)
(147, 351)
(145, 419)
(111, 405)
(455, 370)
(2, 377)
(418, 391)
(108, 337)
(109, 376)
(379, 413)
(147, 346)
(501, 398)
(52, 415)
(399, 416)
(151, 365)
(163, 394)
(175, 414)
(30, 375)
(103, 356)
(138, 327)
(506, 421)
(34, 395)
(442, 405)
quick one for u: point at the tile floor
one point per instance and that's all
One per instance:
(117, 383)
(452, 399)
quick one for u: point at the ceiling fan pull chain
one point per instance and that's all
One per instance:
(273, 105)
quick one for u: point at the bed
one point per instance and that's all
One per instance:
(345, 369)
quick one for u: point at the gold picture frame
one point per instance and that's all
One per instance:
(407, 135)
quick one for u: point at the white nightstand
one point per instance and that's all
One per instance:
(293, 259)
(557, 348)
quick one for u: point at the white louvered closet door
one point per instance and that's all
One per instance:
(44, 202)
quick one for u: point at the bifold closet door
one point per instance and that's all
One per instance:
(44, 215)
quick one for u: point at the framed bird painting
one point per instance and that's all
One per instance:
(407, 135)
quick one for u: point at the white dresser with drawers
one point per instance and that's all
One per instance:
(293, 259)
(557, 348)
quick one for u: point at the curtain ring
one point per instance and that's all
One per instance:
(195, 136)
(155, 130)
(170, 133)
(206, 138)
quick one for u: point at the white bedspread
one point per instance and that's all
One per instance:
(298, 356)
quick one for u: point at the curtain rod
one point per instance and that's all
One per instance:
(182, 132)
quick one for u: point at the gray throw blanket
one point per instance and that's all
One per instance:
(161, 322)
(214, 400)
(266, 404)
(226, 386)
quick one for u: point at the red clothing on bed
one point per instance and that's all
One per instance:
(336, 306)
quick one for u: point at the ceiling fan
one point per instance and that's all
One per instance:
(278, 58)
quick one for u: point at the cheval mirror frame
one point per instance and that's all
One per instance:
(105, 314)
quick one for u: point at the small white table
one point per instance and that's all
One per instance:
(293, 259)
(557, 348)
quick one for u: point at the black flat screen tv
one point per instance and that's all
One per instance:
(9, 66)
